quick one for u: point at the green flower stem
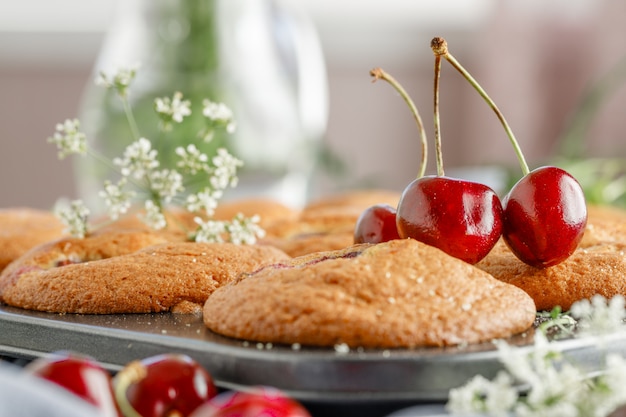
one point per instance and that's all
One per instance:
(440, 48)
(379, 74)
(437, 124)
(131, 118)
(107, 162)
(100, 158)
(136, 136)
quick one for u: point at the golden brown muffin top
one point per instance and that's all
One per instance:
(22, 228)
(400, 293)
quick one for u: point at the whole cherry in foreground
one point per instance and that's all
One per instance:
(462, 218)
(545, 213)
(164, 385)
(545, 216)
(260, 402)
(81, 375)
(376, 224)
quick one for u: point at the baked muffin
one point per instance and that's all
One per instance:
(605, 224)
(357, 199)
(329, 229)
(269, 211)
(398, 294)
(325, 224)
(179, 224)
(126, 272)
(22, 228)
(598, 269)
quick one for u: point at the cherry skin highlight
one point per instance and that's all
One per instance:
(545, 215)
(80, 375)
(462, 218)
(376, 224)
(162, 386)
(260, 402)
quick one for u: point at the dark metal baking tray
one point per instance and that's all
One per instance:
(308, 374)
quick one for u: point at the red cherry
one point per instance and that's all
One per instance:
(376, 224)
(545, 215)
(162, 385)
(261, 402)
(79, 374)
(462, 218)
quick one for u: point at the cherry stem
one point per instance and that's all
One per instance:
(132, 373)
(380, 74)
(437, 125)
(440, 48)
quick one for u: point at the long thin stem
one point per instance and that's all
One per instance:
(440, 48)
(131, 118)
(100, 158)
(438, 150)
(379, 74)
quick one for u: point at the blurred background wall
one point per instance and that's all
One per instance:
(535, 58)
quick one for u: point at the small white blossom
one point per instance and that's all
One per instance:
(74, 217)
(192, 160)
(218, 112)
(219, 115)
(554, 386)
(210, 231)
(166, 184)
(599, 316)
(342, 348)
(555, 409)
(480, 394)
(172, 109)
(557, 391)
(139, 160)
(523, 366)
(154, 216)
(205, 200)
(69, 139)
(225, 170)
(116, 198)
(242, 230)
(604, 401)
(120, 81)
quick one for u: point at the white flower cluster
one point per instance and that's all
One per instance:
(240, 230)
(139, 167)
(597, 317)
(116, 198)
(120, 81)
(552, 386)
(173, 109)
(74, 216)
(191, 159)
(69, 139)
(219, 115)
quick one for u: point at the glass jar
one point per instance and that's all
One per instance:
(259, 57)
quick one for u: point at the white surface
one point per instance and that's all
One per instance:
(23, 395)
(428, 411)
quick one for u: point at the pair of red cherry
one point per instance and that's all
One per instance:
(164, 385)
(542, 218)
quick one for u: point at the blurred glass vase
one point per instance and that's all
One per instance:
(262, 58)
